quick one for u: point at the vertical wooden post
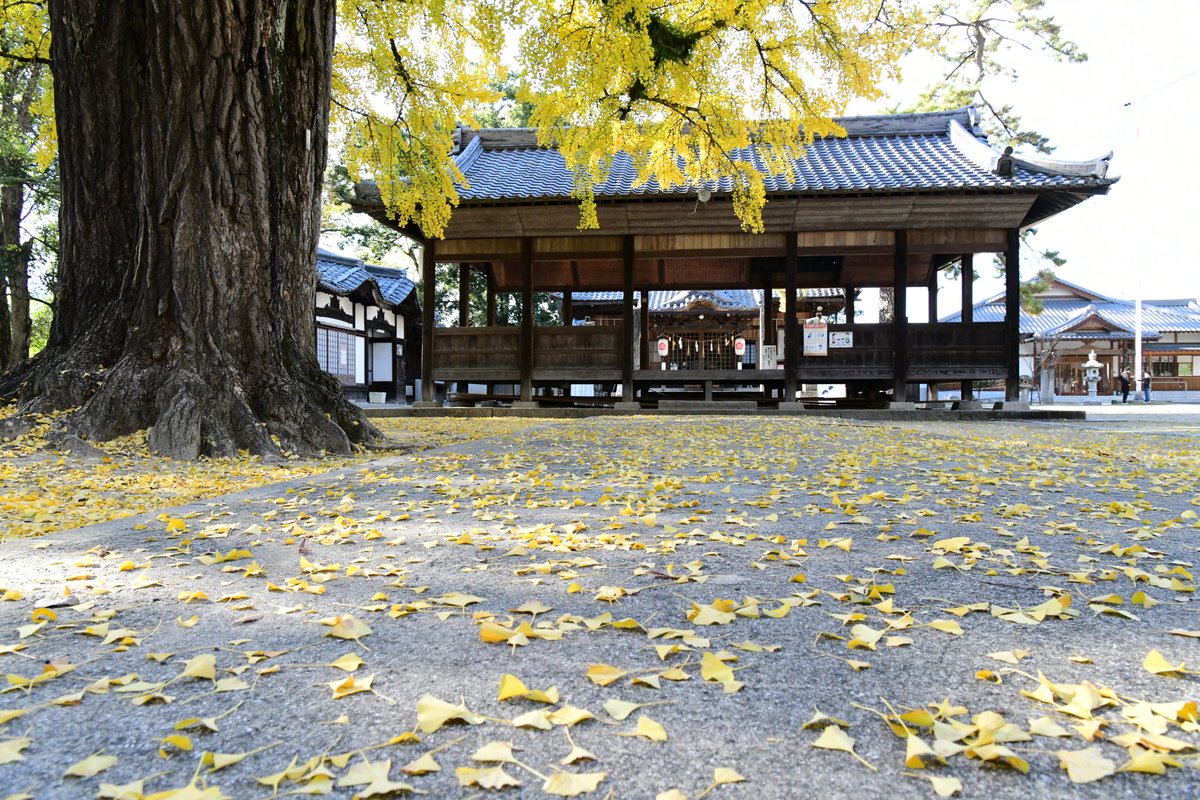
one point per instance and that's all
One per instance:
(966, 275)
(644, 344)
(568, 313)
(464, 295)
(850, 310)
(491, 296)
(931, 390)
(900, 319)
(464, 308)
(428, 283)
(791, 338)
(627, 259)
(1012, 316)
(933, 291)
(526, 339)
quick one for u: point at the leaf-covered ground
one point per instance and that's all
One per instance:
(42, 491)
(634, 608)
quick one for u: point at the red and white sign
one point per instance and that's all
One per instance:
(663, 346)
(739, 346)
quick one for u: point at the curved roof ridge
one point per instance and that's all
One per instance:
(977, 149)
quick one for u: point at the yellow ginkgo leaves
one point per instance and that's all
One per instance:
(433, 713)
(346, 627)
(91, 766)
(834, 738)
(1087, 765)
(1157, 664)
(511, 686)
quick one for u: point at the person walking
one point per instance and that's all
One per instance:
(1146, 385)
(1124, 378)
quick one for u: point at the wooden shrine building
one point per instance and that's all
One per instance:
(891, 203)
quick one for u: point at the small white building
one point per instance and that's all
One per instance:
(367, 327)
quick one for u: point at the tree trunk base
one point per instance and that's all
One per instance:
(188, 411)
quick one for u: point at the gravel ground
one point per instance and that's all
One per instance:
(785, 533)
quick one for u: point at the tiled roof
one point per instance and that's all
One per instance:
(884, 156)
(342, 275)
(1060, 316)
(721, 299)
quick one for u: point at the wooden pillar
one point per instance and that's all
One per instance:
(933, 291)
(464, 308)
(491, 295)
(568, 313)
(850, 310)
(428, 283)
(526, 338)
(627, 258)
(644, 345)
(931, 388)
(900, 318)
(966, 276)
(791, 337)
(1012, 315)
(768, 310)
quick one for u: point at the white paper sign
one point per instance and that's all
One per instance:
(841, 339)
(816, 339)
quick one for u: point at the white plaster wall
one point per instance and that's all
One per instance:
(360, 317)
(360, 360)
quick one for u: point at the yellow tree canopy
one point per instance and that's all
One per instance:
(680, 85)
(26, 80)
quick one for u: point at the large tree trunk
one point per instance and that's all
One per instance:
(192, 143)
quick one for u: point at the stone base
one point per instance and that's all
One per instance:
(426, 404)
(1015, 405)
(901, 406)
(622, 405)
(526, 404)
(701, 406)
(966, 405)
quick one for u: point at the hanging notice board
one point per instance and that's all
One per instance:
(816, 339)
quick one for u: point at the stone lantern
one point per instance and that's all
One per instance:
(1091, 373)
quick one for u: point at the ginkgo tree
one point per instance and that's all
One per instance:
(192, 140)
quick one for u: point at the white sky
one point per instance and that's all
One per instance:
(1138, 238)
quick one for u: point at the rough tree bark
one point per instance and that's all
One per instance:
(192, 143)
(15, 339)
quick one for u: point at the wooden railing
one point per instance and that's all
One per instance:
(869, 357)
(954, 351)
(936, 352)
(477, 354)
(578, 353)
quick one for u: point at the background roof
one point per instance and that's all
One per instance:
(340, 274)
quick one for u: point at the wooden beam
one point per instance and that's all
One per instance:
(1012, 315)
(850, 301)
(791, 337)
(900, 319)
(428, 300)
(627, 261)
(526, 353)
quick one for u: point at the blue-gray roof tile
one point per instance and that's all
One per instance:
(342, 275)
(881, 161)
